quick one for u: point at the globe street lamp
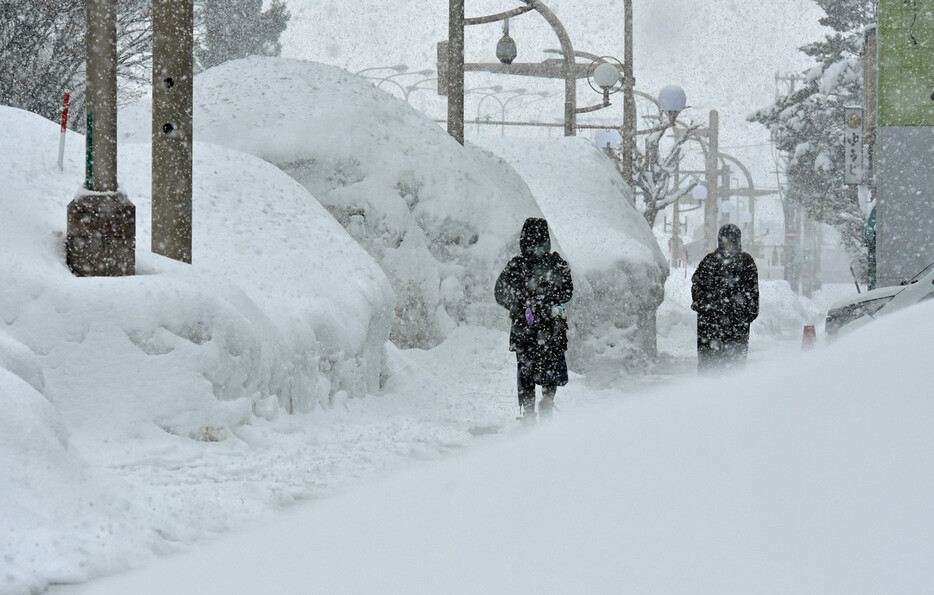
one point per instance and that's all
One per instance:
(671, 100)
(606, 76)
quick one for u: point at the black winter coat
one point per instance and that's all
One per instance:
(725, 292)
(537, 280)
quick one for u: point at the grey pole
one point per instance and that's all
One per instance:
(455, 70)
(102, 95)
(629, 100)
(676, 218)
(570, 82)
(172, 90)
(100, 237)
(710, 204)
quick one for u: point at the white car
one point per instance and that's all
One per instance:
(860, 309)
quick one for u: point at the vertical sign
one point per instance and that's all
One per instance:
(853, 145)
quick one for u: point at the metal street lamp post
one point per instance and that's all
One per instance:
(710, 204)
(451, 65)
(452, 70)
(382, 79)
(629, 100)
(416, 86)
(480, 103)
(400, 68)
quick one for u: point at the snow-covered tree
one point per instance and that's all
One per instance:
(807, 124)
(652, 173)
(232, 29)
(42, 51)
(42, 46)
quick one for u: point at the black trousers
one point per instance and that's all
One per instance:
(721, 345)
(549, 372)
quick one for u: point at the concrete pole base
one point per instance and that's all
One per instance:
(100, 238)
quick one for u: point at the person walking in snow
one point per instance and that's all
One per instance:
(534, 287)
(725, 292)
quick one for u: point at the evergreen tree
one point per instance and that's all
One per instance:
(231, 29)
(808, 124)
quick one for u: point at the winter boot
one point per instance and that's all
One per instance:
(528, 414)
(546, 407)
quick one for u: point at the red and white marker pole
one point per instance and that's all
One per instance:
(61, 138)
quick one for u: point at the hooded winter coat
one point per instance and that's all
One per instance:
(725, 292)
(530, 287)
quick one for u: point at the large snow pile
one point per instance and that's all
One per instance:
(438, 217)
(279, 301)
(618, 268)
(280, 308)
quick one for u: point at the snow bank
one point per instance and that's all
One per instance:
(619, 270)
(438, 217)
(281, 308)
(280, 300)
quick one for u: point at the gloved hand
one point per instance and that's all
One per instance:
(529, 317)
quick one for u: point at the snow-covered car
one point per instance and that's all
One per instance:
(860, 309)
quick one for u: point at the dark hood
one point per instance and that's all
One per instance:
(534, 240)
(732, 233)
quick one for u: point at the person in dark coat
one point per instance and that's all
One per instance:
(725, 292)
(534, 287)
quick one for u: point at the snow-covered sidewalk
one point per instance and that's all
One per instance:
(801, 474)
(434, 403)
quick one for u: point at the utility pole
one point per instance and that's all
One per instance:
(629, 100)
(172, 91)
(710, 204)
(101, 225)
(455, 69)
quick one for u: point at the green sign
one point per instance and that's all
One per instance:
(906, 62)
(89, 155)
